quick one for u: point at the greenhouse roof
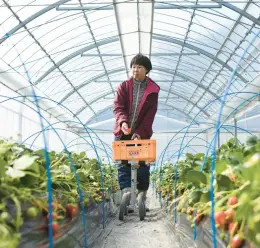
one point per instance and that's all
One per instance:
(78, 52)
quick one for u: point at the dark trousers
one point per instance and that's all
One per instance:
(124, 173)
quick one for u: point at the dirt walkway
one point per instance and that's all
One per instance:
(153, 232)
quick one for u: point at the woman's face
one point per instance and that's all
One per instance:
(139, 72)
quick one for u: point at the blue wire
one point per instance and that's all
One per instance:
(195, 230)
(206, 155)
(46, 154)
(164, 151)
(210, 144)
(208, 104)
(212, 178)
(98, 158)
(63, 129)
(74, 171)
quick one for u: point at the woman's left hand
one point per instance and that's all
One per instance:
(136, 136)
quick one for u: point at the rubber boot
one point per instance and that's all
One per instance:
(128, 190)
(145, 197)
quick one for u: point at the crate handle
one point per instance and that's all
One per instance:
(133, 144)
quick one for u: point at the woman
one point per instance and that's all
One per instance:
(135, 107)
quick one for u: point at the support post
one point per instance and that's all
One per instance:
(235, 125)
(207, 141)
(133, 184)
(218, 139)
(20, 123)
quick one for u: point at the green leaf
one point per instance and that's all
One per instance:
(232, 142)
(40, 153)
(252, 140)
(235, 158)
(82, 155)
(251, 150)
(197, 165)
(224, 183)
(196, 177)
(3, 164)
(257, 147)
(17, 150)
(199, 156)
(245, 209)
(194, 197)
(14, 173)
(4, 148)
(205, 197)
(250, 173)
(34, 167)
(183, 173)
(223, 147)
(81, 176)
(220, 166)
(252, 161)
(189, 156)
(29, 180)
(24, 162)
(253, 235)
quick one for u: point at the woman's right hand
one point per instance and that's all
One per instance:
(125, 128)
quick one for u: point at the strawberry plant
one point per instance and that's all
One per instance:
(23, 188)
(236, 190)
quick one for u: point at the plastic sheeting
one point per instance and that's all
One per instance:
(183, 229)
(203, 233)
(71, 234)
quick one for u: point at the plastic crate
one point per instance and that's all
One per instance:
(141, 150)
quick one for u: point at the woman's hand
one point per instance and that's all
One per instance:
(136, 136)
(125, 128)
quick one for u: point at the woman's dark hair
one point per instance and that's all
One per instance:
(140, 59)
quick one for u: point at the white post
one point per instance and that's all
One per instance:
(20, 122)
(133, 183)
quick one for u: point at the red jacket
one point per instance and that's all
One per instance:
(146, 110)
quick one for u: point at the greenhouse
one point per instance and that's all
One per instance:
(130, 123)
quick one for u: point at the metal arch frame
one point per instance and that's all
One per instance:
(123, 69)
(156, 37)
(53, 29)
(220, 50)
(32, 17)
(107, 94)
(180, 56)
(89, 81)
(54, 5)
(201, 51)
(97, 47)
(53, 49)
(162, 89)
(110, 106)
(238, 10)
(115, 9)
(188, 78)
(41, 12)
(76, 53)
(44, 51)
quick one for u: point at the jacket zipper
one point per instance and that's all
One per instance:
(135, 105)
